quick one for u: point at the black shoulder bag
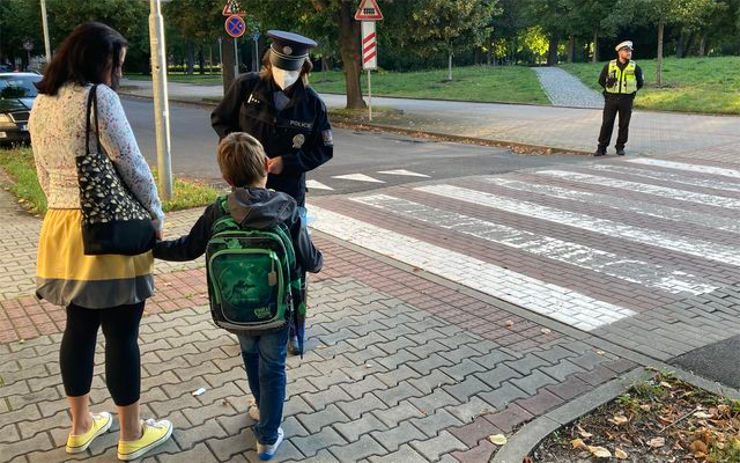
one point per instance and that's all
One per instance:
(113, 219)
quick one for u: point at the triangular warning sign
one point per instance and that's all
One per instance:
(368, 11)
(233, 8)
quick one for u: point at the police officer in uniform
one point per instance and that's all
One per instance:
(621, 78)
(278, 108)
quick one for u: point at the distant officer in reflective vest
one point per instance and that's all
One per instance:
(621, 79)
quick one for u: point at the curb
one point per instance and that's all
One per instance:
(516, 147)
(526, 439)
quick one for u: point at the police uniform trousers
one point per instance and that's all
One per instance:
(614, 104)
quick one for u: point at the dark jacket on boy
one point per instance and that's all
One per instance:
(253, 208)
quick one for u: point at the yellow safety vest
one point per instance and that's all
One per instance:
(626, 82)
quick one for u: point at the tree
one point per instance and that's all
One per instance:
(665, 12)
(451, 25)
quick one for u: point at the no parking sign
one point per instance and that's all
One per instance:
(235, 26)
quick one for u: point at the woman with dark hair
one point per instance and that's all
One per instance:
(106, 290)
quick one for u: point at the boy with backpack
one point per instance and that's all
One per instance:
(256, 250)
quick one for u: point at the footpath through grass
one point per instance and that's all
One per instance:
(18, 163)
(704, 85)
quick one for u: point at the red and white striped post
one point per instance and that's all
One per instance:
(369, 59)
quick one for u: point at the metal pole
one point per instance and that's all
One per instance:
(45, 22)
(220, 54)
(161, 104)
(369, 97)
(236, 59)
(256, 56)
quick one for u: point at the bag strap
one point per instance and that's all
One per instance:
(92, 105)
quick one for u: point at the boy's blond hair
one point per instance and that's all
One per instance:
(241, 158)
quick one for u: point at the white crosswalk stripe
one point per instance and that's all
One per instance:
(688, 167)
(640, 207)
(402, 172)
(665, 192)
(693, 246)
(678, 178)
(358, 178)
(563, 304)
(316, 185)
(628, 269)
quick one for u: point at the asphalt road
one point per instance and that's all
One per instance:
(356, 152)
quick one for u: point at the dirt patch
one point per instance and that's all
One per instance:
(659, 420)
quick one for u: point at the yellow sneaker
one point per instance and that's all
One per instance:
(78, 443)
(153, 433)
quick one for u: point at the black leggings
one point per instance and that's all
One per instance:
(122, 361)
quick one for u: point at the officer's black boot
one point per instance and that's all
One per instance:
(600, 151)
(620, 151)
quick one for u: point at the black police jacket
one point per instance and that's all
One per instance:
(300, 133)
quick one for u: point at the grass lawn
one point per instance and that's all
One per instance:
(180, 77)
(18, 163)
(513, 84)
(706, 85)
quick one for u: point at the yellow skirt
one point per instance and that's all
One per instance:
(65, 275)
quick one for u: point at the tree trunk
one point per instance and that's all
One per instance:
(324, 64)
(190, 58)
(703, 45)
(552, 52)
(201, 60)
(449, 65)
(681, 44)
(227, 62)
(595, 57)
(571, 48)
(210, 59)
(349, 43)
(659, 65)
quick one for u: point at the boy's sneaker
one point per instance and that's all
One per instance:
(153, 433)
(78, 443)
(265, 451)
(254, 412)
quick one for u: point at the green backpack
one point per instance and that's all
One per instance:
(253, 284)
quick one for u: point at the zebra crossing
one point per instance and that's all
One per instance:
(582, 245)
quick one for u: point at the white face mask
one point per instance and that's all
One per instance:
(283, 78)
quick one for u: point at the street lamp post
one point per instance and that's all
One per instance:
(161, 104)
(45, 23)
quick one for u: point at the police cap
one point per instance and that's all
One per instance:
(625, 44)
(288, 50)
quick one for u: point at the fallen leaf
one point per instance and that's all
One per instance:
(698, 447)
(618, 420)
(600, 352)
(645, 407)
(509, 323)
(620, 454)
(546, 331)
(666, 385)
(656, 442)
(600, 452)
(702, 415)
(582, 432)
(578, 444)
(498, 439)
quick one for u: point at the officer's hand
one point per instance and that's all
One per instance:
(611, 81)
(275, 165)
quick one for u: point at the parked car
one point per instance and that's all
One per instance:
(17, 93)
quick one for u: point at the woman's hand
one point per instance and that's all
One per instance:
(158, 235)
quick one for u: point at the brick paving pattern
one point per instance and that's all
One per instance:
(564, 89)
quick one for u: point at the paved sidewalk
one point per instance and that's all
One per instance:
(564, 89)
(419, 358)
(710, 138)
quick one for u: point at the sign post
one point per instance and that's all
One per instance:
(368, 12)
(45, 24)
(235, 27)
(161, 103)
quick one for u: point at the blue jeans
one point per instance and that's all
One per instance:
(264, 360)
